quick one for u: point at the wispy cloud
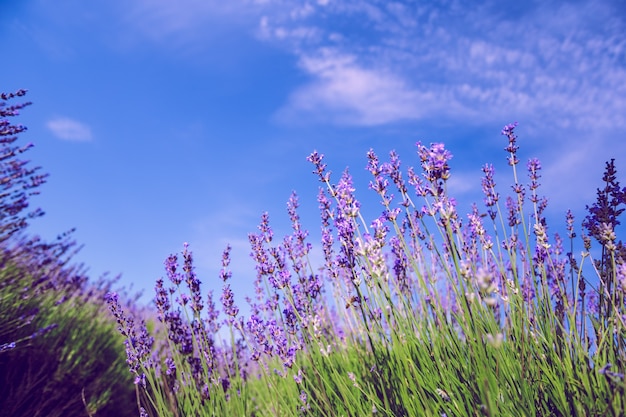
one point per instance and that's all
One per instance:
(344, 92)
(372, 63)
(396, 62)
(68, 129)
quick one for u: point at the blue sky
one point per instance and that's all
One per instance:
(166, 122)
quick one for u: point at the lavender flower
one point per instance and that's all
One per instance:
(610, 374)
(512, 148)
(320, 168)
(607, 207)
(295, 245)
(380, 183)
(43, 330)
(192, 281)
(228, 302)
(606, 236)
(211, 323)
(347, 211)
(7, 346)
(393, 170)
(400, 266)
(621, 278)
(225, 274)
(304, 400)
(434, 161)
(281, 347)
(266, 231)
(512, 209)
(256, 328)
(534, 166)
(171, 264)
(477, 230)
(162, 300)
(138, 345)
(414, 180)
(491, 196)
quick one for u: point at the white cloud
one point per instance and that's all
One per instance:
(396, 63)
(69, 129)
(352, 93)
(392, 62)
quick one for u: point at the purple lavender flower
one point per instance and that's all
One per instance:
(534, 166)
(601, 222)
(228, 302)
(138, 346)
(295, 245)
(346, 212)
(512, 148)
(393, 170)
(281, 347)
(414, 180)
(400, 266)
(606, 236)
(380, 183)
(192, 281)
(162, 300)
(266, 231)
(327, 236)
(513, 209)
(171, 264)
(170, 365)
(211, 315)
(225, 274)
(620, 276)
(477, 229)
(609, 374)
(291, 320)
(491, 196)
(179, 332)
(434, 161)
(43, 330)
(265, 266)
(256, 328)
(320, 168)
(7, 346)
(227, 298)
(298, 377)
(304, 400)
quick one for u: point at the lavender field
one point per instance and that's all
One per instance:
(420, 311)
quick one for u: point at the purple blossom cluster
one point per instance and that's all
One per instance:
(137, 340)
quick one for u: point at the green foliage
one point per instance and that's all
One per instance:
(75, 369)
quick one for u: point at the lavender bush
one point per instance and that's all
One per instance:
(421, 311)
(60, 354)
